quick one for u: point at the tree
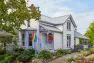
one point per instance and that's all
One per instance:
(14, 12)
(4, 41)
(90, 33)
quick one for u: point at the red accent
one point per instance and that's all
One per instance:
(50, 37)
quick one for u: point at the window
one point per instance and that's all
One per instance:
(68, 25)
(23, 40)
(30, 39)
(68, 40)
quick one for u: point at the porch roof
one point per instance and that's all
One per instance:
(44, 28)
(79, 35)
(50, 28)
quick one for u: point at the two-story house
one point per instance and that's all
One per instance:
(50, 33)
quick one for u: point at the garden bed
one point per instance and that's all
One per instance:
(90, 57)
(86, 59)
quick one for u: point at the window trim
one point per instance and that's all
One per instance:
(68, 40)
(69, 26)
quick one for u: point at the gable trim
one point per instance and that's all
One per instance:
(67, 20)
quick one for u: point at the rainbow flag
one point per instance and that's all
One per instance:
(34, 39)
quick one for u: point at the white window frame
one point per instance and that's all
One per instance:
(68, 25)
(68, 40)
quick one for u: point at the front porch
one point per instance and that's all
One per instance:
(37, 40)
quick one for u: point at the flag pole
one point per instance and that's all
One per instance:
(38, 39)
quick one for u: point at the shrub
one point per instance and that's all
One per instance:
(60, 52)
(21, 54)
(70, 60)
(2, 52)
(69, 51)
(78, 47)
(26, 55)
(16, 52)
(91, 50)
(44, 55)
(53, 53)
(1, 57)
(6, 58)
(84, 52)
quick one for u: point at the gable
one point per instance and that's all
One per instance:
(71, 20)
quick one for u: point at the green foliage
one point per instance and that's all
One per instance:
(13, 13)
(84, 52)
(6, 58)
(13, 19)
(1, 57)
(19, 54)
(16, 52)
(2, 51)
(91, 50)
(2, 54)
(26, 56)
(78, 46)
(5, 40)
(69, 51)
(44, 55)
(70, 60)
(90, 33)
(61, 52)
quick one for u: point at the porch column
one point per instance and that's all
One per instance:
(26, 39)
(20, 39)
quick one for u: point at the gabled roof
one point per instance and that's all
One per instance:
(61, 19)
(57, 20)
(79, 35)
(46, 19)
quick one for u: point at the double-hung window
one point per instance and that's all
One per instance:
(68, 25)
(68, 40)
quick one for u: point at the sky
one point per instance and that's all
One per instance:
(81, 10)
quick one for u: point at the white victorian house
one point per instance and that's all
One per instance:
(50, 33)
